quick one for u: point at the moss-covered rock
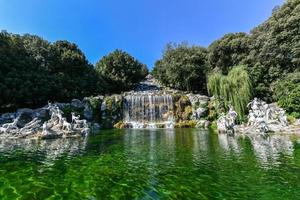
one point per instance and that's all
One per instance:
(203, 124)
(95, 105)
(215, 108)
(186, 124)
(111, 111)
(180, 111)
(188, 112)
(199, 106)
(120, 125)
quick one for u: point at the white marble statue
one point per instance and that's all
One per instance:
(231, 117)
(45, 129)
(66, 125)
(12, 125)
(56, 126)
(265, 117)
(221, 123)
(74, 117)
(226, 123)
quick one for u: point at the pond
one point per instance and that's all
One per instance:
(151, 164)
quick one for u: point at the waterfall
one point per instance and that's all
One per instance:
(148, 110)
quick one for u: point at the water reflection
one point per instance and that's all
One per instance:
(267, 150)
(49, 150)
(159, 143)
(152, 164)
(201, 141)
(270, 149)
(229, 143)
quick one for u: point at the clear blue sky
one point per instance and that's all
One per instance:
(140, 27)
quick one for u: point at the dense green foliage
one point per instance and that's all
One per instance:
(275, 47)
(287, 93)
(34, 71)
(270, 51)
(121, 70)
(234, 89)
(228, 51)
(182, 67)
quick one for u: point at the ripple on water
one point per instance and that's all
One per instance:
(156, 164)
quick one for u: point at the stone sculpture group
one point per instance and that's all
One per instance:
(262, 118)
(265, 117)
(57, 126)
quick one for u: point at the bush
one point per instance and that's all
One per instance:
(121, 70)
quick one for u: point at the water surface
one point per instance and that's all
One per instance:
(151, 164)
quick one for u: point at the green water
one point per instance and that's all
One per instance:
(145, 164)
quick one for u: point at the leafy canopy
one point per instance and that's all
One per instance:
(287, 93)
(233, 89)
(182, 67)
(121, 70)
(34, 71)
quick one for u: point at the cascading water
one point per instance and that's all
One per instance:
(149, 110)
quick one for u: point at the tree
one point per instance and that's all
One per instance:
(233, 89)
(228, 51)
(183, 67)
(121, 71)
(287, 93)
(274, 48)
(34, 71)
(76, 77)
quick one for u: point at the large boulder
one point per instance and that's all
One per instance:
(111, 110)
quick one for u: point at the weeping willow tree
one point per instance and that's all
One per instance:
(233, 89)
